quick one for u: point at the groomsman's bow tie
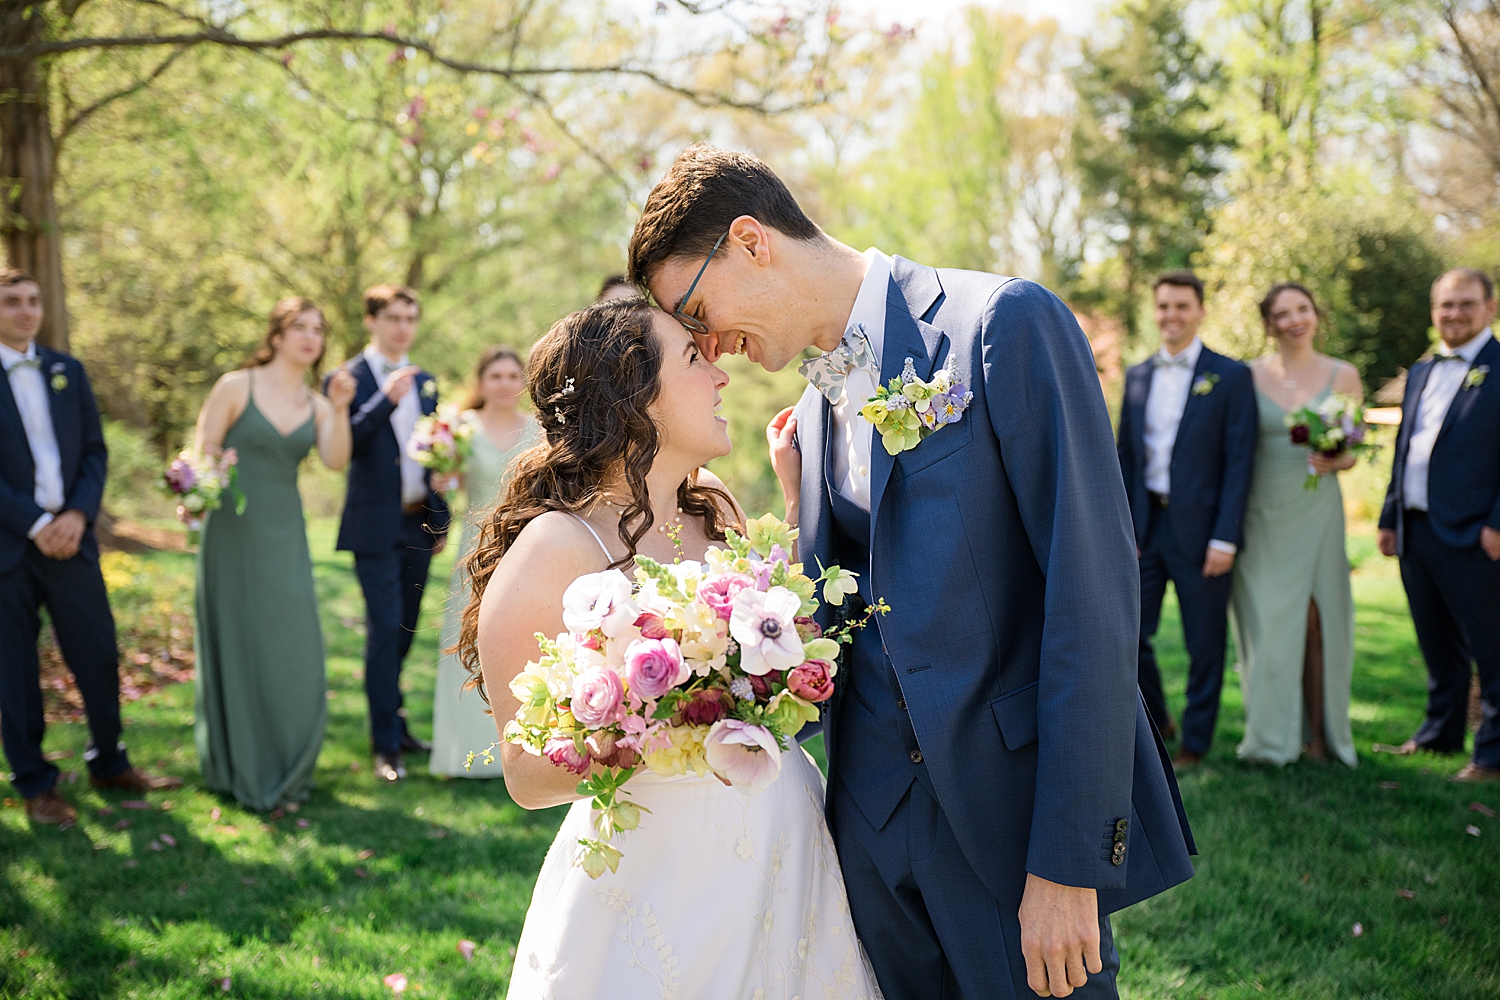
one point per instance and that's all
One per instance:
(1439, 358)
(27, 363)
(1181, 361)
(828, 372)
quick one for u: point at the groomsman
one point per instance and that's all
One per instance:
(393, 521)
(1187, 447)
(52, 465)
(1442, 518)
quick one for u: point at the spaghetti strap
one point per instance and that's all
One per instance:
(595, 534)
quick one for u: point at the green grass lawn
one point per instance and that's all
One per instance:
(365, 881)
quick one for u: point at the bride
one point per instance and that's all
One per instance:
(718, 896)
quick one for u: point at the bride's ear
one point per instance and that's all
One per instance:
(752, 238)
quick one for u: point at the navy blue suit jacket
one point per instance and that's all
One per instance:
(80, 442)
(1463, 478)
(372, 506)
(1213, 457)
(1003, 545)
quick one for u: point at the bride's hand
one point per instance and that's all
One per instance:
(786, 459)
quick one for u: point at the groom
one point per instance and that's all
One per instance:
(995, 789)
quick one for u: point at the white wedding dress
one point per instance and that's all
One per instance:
(718, 897)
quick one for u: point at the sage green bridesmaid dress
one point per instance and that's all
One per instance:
(459, 720)
(261, 691)
(1294, 551)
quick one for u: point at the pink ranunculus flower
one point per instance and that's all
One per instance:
(654, 666)
(562, 751)
(651, 626)
(812, 681)
(706, 707)
(764, 624)
(808, 629)
(762, 685)
(746, 755)
(598, 698)
(599, 601)
(719, 590)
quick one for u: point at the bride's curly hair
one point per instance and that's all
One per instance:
(593, 379)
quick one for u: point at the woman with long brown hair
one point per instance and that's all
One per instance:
(261, 694)
(501, 431)
(1291, 601)
(718, 896)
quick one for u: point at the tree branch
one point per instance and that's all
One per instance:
(134, 88)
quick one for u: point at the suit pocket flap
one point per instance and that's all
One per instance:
(1015, 714)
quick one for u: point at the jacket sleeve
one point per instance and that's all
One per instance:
(1241, 431)
(18, 511)
(1055, 442)
(93, 465)
(1125, 444)
(1388, 511)
(367, 418)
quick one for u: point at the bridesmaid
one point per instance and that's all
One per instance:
(261, 695)
(1291, 602)
(501, 432)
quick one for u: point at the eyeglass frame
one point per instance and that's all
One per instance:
(693, 324)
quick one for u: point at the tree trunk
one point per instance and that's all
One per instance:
(30, 225)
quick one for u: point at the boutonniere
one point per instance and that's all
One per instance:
(908, 409)
(59, 381)
(429, 389)
(1205, 384)
(1475, 376)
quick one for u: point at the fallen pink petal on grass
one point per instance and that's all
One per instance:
(397, 982)
(1481, 809)
(361, 873)
(169, 840)
(131, 862)
(106, 810)
(225, 984)
(466, 949)
(154, 845)
(135, 804)
(1472, 830)
(1390, 786)
(124, 824)
(215, 813)
(303, 824)
(1358, 930)
(1406, 894)
(365, 855)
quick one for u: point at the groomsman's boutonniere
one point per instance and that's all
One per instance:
(1205, 384)
(59, 381)
(908, 409)
(429, 389)
(1476, 376)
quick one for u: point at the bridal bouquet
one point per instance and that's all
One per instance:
(199, 482)
(441, 440)
(1333, 427)
(708, 667)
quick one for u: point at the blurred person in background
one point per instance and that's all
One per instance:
(1442, 518)
(616, 286)
(261, 698)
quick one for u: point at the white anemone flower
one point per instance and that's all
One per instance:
(599, 600)
(764, 624)
(746, 755)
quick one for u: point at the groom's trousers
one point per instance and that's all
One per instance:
(73, 592)
(392, 582)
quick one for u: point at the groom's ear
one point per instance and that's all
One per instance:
(753, 238)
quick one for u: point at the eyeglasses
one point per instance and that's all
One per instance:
(693, 323)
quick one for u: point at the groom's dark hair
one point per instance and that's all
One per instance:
(704, 191)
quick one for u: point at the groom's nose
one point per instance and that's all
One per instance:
(708, 346)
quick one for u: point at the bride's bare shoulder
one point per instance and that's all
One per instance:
(709, 480)
(554, 544)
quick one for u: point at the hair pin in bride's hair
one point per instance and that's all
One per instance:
(568, 388)
(558, 413)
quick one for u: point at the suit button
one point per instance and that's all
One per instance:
(1121, 826)
(916, 756)
(901, 704)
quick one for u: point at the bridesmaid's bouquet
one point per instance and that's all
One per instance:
(1332, 428)
(710, 668)
(199, 481)
(441, 441)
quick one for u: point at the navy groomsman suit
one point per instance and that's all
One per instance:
(392, 519)
(52, 459)
(1445, 487)
(1187, 487)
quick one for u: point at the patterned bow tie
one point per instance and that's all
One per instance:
(1181, 361)
(1439, 358)
(27, 363)
(828, 372)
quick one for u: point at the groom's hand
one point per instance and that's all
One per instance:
(1059, 936)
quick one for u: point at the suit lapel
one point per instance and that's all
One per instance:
(1194, 400)
(9, 411)
(912, 290)
(812, 439)
(1137, 402)
(1465, 396)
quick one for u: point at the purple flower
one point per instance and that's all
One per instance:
(180, 476)
(807, 629)
(562, 751)
(718, 592)
(1300, 434)
(654, 667)
(779, 554)
(706, 707)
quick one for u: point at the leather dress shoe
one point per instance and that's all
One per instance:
(50, 807)
(389, 767)
(135, 780)
(1472, 772)
(1186, 758)
(410, 744)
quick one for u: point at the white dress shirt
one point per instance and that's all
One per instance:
(403, 421)
(1443, 383)
(853, 435)
(29, 387)
(1165, 403)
